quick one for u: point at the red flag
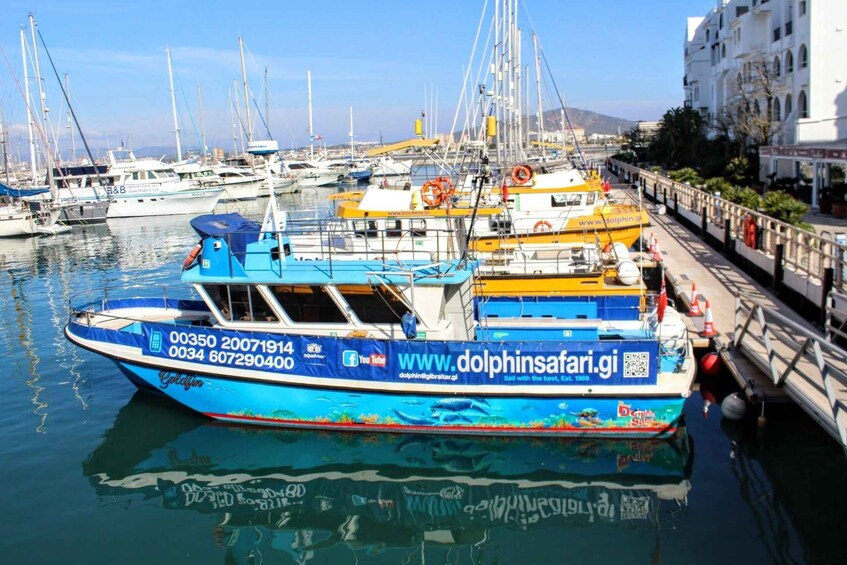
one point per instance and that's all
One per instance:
(663, 301)
(607, 186)
(504, 192)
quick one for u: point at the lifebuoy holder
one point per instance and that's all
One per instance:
(750, 229)
(542, 226)
(436, 191)
(522, 174)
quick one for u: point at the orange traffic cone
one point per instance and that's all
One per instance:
(656, 255)
(709, 325)
(694, 309)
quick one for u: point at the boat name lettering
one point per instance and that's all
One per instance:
(121, 189)
(606, 221)
(565, 363)
(639, 417)
(167, 378)
(526, 509)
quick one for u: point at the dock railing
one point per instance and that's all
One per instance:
(812, 257)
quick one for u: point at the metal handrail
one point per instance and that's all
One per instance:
(804, 252)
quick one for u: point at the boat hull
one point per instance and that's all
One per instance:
(284, 405)
(562, 388)
(164, 204)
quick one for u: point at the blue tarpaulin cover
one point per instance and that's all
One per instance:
(22, 192)
(235, 228)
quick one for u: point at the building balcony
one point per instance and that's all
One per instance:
(761, 6)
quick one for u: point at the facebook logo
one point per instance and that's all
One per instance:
(350, 358)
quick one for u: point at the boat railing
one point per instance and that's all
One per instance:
(94, 305)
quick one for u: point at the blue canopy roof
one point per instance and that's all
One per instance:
(238, 230)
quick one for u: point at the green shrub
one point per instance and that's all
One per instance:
(717, 184)
(686, 174)
(746, 197)
(781, 206)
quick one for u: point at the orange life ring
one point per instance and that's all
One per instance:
(522, 174)
(192, 255)
(750, 229)
(432, 192)
(447, 187)
(542, 226)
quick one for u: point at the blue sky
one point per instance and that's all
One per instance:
(383, 58)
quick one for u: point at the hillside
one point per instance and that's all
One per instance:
(592, 122)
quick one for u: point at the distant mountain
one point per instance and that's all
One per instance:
(592, 122)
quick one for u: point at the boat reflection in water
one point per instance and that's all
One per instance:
(307, 493)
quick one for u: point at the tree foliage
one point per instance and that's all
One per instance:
(681, 138)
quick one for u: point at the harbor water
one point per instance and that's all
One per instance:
(94, 471)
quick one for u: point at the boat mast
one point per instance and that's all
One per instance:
(267, 105)
(246, 91)
(202, 121)
(32, 159)
(70, 127)
(232, 120)
(3, 144)
(540, 113)
(311, 132)
(352, 147)
(173, 105)
(48, 156)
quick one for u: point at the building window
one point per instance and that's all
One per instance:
(802, 7)
(803, 104)
(720, 21)
(788, 107)
(723, 51)
(776, 109)
(789, 28)
(804, 57)
(708, 35)
(789, 62)
(776, 67)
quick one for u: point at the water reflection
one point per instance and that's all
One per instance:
(317, 494)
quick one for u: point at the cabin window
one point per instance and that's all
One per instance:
(417, 227)
(365, 228)
(590, 198)
(393, 228)
(308, 304)
(240, 303)
(374, 304)
(562, 200)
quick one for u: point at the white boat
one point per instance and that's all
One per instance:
(239, 183)
(388, 166)
(308, 175)
(17, 220)
(149, 187)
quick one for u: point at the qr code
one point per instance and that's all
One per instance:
(635, 507)
(636, 365)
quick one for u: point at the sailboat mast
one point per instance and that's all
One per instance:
(202, 121)
(352, 147)
(540, 114)
(70, 126)
(249, 126)
(3, 144)
(32, 160)
(173, 106)
(311, 132)
(48, 156)
(267, 104)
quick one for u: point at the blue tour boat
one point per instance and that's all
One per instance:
(380, 344)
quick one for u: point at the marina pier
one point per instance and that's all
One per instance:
(776, 299)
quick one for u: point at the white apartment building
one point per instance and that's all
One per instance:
(805, 42)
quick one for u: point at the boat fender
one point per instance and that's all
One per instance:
(542, 226)
(191, 257)
(628, 273)
(409, 325)
(522, 174)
